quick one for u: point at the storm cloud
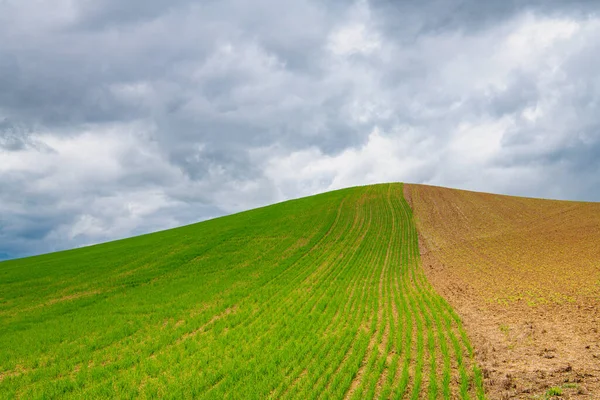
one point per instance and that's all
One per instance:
(120, 118)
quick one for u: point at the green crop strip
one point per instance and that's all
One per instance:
(321, 297)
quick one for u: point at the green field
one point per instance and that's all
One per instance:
(321, 297)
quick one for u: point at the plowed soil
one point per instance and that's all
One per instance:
(524, 274)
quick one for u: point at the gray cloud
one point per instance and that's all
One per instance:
(118, 118)
(468, 16)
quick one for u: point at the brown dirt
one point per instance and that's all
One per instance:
(524, 274)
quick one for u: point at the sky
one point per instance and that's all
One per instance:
(119, 118)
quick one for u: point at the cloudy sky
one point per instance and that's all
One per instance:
(124, 117)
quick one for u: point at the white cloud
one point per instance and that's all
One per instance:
(458, 139)
(353, 39)
(356, 34)
(383, 158)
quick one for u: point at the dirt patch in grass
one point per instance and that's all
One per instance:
(524, 275)
(73, 296)
(18, 370)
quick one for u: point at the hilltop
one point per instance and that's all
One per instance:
(382, 291)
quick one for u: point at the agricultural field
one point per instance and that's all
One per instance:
(524, 274)
(321, 297)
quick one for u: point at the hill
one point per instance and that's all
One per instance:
(317, 297)
(524, 274)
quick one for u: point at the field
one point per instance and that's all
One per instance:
(525, 276)
(321, 297)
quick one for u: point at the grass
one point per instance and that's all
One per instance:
(554, 391)
(317, 297)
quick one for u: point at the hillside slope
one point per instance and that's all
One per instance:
(321, 296)
(525, 276)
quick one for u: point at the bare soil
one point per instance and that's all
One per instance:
(524, 274)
